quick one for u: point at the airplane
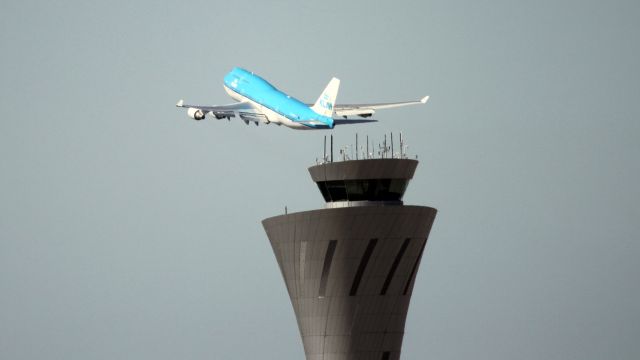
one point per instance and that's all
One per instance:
(259, 101)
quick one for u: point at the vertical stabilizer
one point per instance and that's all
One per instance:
(324, 104)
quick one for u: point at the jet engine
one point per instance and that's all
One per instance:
(195, 114)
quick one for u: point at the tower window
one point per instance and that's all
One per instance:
(366, 189)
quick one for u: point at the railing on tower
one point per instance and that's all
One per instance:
(385, 149)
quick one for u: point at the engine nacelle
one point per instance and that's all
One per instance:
(195, 114)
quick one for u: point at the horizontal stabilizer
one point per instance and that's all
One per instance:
(370, 109)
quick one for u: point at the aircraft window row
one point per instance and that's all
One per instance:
(360, 190)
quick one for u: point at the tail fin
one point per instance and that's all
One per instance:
(324, 104)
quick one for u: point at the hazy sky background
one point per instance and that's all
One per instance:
(128, 231)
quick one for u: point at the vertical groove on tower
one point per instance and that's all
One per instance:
(328, 258)
(363, 266)
(394, 266)
(415, 268)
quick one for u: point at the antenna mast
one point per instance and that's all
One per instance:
(324, 156)
(331, 147)
(392, 145)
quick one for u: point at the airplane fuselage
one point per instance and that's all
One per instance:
(272, 105)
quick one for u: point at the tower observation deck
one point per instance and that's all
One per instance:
(350, 267)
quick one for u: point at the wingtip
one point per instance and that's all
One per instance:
(424, 99)
(180, 103)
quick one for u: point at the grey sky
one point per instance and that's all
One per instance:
(128, 231)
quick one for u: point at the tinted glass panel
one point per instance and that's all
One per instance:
(337, 190)
(359, 190)
(323, 190)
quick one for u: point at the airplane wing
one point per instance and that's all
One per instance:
(366, 110)
(219, 111)
(214, 108)
(352, 121)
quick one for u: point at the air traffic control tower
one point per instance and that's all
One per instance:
(350, 268)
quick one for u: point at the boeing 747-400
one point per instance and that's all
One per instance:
(259, 101)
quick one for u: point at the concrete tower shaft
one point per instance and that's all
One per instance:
(350, 268)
